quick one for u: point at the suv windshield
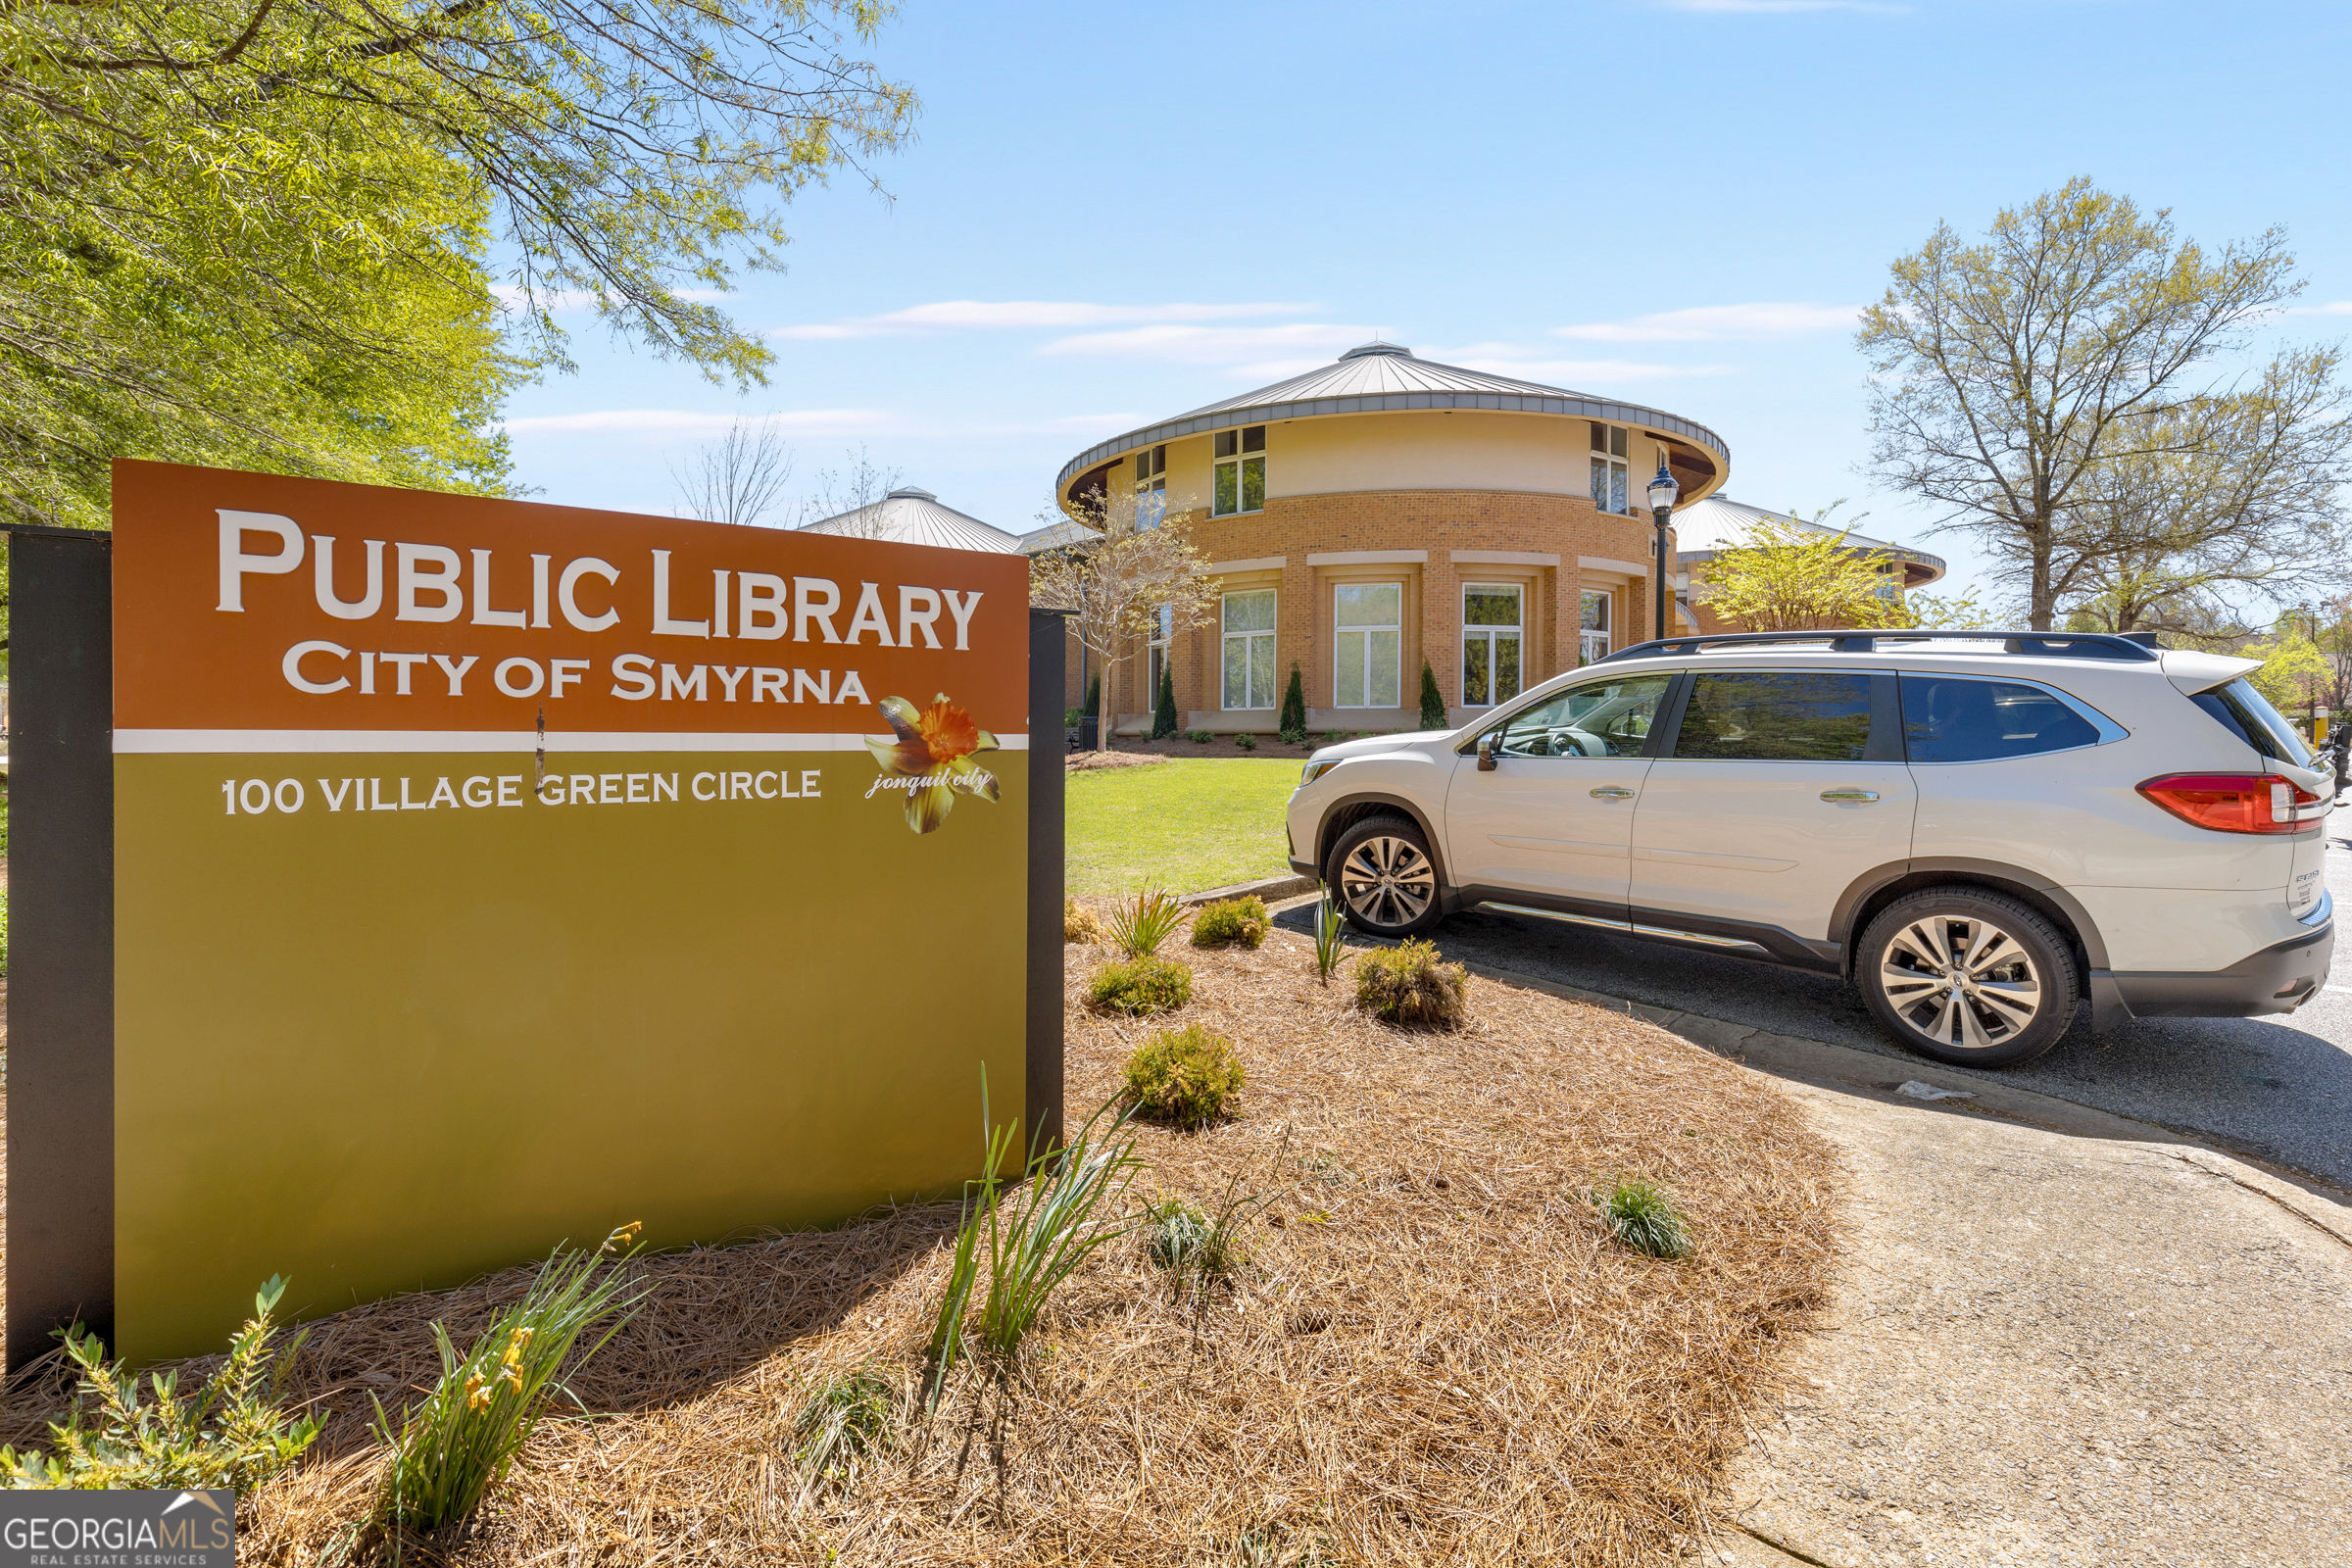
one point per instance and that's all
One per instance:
(2248, 714)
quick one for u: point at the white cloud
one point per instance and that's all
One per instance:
(693, 422)
(950, 315)
(2332, 307)
(1716, 323)
(510, 296)
(1212, 345)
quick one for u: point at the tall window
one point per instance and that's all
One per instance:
(1366, 618)
(1592, 626)
(1491, 618)
(1608, 467)
(1163, 628)
(1250, 649)
(1241, 476)
(1151, 486)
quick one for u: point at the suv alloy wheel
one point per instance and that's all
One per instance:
(1967, 977)
(1385, 878)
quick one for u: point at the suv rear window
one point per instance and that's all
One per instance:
(1776, 718)
(1958, 719)
(2248, 714)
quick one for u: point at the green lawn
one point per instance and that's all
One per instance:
(1183, 825)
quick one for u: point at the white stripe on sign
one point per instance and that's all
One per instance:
(256, 742)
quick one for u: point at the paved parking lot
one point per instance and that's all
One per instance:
(2278, 1088)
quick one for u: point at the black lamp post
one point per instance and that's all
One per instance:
(1662, 492)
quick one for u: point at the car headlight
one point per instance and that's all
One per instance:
(1315, 771)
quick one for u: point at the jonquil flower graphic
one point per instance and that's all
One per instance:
(931, 757)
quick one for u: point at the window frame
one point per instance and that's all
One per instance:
(1226, 639)
(1152, 486)
(1612, 456)
(1232, 450)
(2106, 731)
(1338, 631)
(1489, 634)
(1606, 631)
(1158, 638)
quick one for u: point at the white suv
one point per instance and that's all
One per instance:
(1976, 829)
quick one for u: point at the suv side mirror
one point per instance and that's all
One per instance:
(1485, 754)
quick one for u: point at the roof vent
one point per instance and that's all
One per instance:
(910, 493)
(1376, 346)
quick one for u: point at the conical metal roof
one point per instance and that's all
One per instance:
(912, 516)
(1381, 378)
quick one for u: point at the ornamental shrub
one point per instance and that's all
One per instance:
(1140, 987)
(1433, 701)
(1094, 697)
(1248, 743)
(1229, 920)
(1199, 737)
(1079, 923)
(1642, 1216)
(1163, 717)
(1185, 1077)
(1293, 720)
(1409, 985)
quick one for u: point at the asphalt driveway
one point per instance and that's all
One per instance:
(2278, 1088)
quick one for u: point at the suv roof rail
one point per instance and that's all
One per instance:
(2133, 647)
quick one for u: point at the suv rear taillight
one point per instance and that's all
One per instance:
(2234, 802)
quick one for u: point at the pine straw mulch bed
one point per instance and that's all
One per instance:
(1438, 1355)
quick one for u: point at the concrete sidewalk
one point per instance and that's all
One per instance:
(2060, 1338)
(2056, 1349)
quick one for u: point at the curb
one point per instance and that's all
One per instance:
(2309, 1198)
(1267, 888)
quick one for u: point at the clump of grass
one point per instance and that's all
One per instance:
(1080, 924)
(1248, 743)
(1199, 737)
(1139, 925)
(1185, 1077)
(1066, 1211)
(1642, 1216)
(846, 1422)
(1330, 927)
(1140, 987)
(230, 1432)
(1229, 920)
(1409, 985)
(458, 1443)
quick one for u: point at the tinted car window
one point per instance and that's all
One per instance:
(1952, 718)
(1607, 718)
(1812, 717)
(2248, 714)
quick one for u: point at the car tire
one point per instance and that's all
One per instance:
(1384, 878)
(1967, 976)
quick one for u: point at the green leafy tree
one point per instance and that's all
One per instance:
(1292, 723)
(1163, 715)
(2016, 380)
(256, 231)
(2295, 671)
(1433, 701)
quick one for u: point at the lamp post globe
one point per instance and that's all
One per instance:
(1662, 494)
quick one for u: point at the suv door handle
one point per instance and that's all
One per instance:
(1612, 791)
(1849, 795)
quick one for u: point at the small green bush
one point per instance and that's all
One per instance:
(1079, 923)
(1293, 720)
(1230, 921)
(228, 1433)
(1407, 984)
(1332, 737)
(1433, 702)
(1248, 743)
(1185, 1077)
(1140, 986)
(1197, 1251)
(1164, 712)
(1642, 1216)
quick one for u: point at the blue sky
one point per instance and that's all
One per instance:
(1111, 214)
